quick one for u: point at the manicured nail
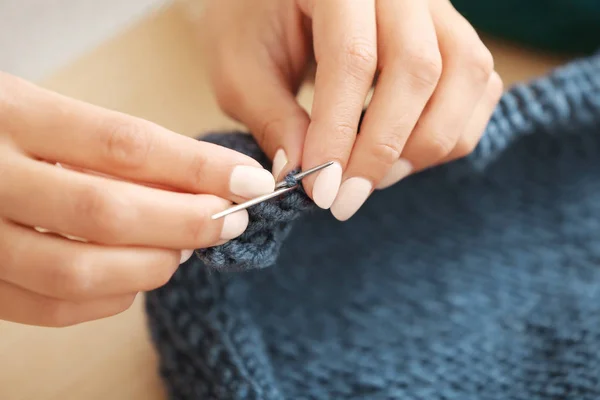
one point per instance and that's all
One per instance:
(250, 182)
(185, 255)
(353, 193)
(279, 162)
(400, 170)
(327, 185)
(234, 225)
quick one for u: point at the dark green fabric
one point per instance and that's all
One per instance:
(571, 26)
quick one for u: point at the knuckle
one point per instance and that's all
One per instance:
(342, 131)
(495, 88)
(479, 60)
(103, 215)
(72, 279)
(360, 57)
(424, 64)
(386, 153)
(198, 168)
(439, 146)
(465, 147)
(127, 143)
(267, 129)
(165, 271)
(196, 229)
(467, 49)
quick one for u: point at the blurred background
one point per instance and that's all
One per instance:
(139, 57)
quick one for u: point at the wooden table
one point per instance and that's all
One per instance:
(154, 70)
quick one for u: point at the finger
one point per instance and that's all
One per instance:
(410, 68)
(276, 121)
(111, 212)
(468, 65)
(258, 86)
(267, 106)
(90, 172)
(25, 307)
(52, 127)
(478, 122)
(345, 41)
(65, 269)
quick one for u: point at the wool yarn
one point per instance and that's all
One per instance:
(474, 280)
(269, 222)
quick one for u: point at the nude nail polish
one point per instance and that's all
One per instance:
(234, 225)
(185, 256)
(279, 162)
(248, 182)
(400, 170)
(352, 195)
(327, 185)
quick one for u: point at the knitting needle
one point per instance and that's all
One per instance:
(301, 175)
(281, 189)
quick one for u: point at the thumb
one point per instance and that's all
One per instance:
(268, 107)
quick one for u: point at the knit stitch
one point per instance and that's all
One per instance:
(269, 222)
(474, 280)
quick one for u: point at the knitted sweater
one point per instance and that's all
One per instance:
(475, 280)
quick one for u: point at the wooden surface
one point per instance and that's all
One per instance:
(154, 71)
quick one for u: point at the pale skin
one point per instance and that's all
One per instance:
(136, 233)
(140, 196)
(435, 92)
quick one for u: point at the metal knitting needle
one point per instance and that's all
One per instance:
(281, 189)
(301, 175)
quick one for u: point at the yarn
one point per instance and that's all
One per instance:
(474, 280)
(269, 222)
(524, 110)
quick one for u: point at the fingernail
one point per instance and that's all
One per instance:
(400, 170)
(327, 185)
(234, 225)
(279, 162)
(353, 193)
(185, 255)
(250, 182)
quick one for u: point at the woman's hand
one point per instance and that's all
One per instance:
(134, 233)
(435, 91)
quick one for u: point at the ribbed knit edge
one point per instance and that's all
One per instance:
(566, 102)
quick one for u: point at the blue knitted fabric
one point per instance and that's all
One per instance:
(269, 223)
(475, 280)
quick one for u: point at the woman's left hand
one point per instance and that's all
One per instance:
(435, 91)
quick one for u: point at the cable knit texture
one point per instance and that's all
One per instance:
(475, 280)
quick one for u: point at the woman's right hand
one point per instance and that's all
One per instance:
(137, 194)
